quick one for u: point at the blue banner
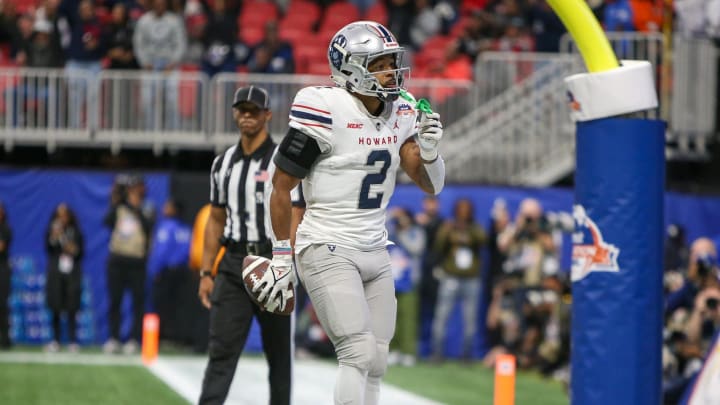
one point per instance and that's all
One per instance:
(617, 262)
(30, 197)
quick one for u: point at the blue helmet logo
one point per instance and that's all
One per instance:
(335, 56)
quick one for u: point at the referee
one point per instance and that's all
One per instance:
(239, 225)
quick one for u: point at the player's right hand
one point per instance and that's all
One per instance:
(430, 131)
(205, 289)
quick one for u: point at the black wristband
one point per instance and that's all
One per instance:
(206, 273)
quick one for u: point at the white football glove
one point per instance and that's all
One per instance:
(277, 278)
(430, 132)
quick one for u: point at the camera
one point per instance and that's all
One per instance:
(706, 263)
(711, 303)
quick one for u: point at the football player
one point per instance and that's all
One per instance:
(345, 144)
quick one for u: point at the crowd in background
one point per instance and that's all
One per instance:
(117, 34)
(692, 313)
(506, 277)
(442, 263)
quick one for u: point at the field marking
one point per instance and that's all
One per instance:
(313, 380)
(313, 384)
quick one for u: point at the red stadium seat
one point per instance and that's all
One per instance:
(378, 13)
(252, 35)
(308, 54)
(337, 15)
(294, 34)
(257, 13)
(438, 42)
(302, 14)
(319, 68)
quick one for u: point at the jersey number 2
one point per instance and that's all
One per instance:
(367, 202)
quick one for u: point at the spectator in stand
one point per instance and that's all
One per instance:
(196, 21)
(401, 16)
(84, 63)
(5, 272)
(221, 54)
(546, 26)
(8, 23)
(458, 243)
(618, 16)
(21, 37)
(515, 38)
(63, 288)
(477, 36)
(119, 39)
(41, 52)
(597, 7)
(427, 23)
(49, 11)
(159, 43)
(272, 55)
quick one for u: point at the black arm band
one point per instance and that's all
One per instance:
(297, 153)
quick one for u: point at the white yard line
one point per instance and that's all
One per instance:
(313, 382)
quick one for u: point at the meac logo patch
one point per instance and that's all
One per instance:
(590, 251)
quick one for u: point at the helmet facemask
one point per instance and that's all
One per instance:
(371, 86)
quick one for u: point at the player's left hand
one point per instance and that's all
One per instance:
(430, 131)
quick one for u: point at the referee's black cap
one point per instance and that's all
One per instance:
(252, 94)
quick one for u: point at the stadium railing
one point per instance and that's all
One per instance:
(521, 132)
(180, 110)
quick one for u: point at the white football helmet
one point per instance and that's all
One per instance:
(354, 47)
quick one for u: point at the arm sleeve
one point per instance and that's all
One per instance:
(217, 196)
(297, 153)
(310, 114)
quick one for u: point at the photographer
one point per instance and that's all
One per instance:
(701, 268)
(529, 245)
(693, 318)
(704, 319)
(131, 224)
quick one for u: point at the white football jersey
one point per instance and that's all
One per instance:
(347, 190)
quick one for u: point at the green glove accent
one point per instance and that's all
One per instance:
(422, 105)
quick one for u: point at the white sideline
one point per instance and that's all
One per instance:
(313, 385)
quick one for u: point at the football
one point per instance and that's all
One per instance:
(253, 270)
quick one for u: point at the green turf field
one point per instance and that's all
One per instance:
(38, 383)
(60, 384)
(458, 384)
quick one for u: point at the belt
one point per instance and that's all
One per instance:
(248, 248)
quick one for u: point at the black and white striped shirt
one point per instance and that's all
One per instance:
(242, 184)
